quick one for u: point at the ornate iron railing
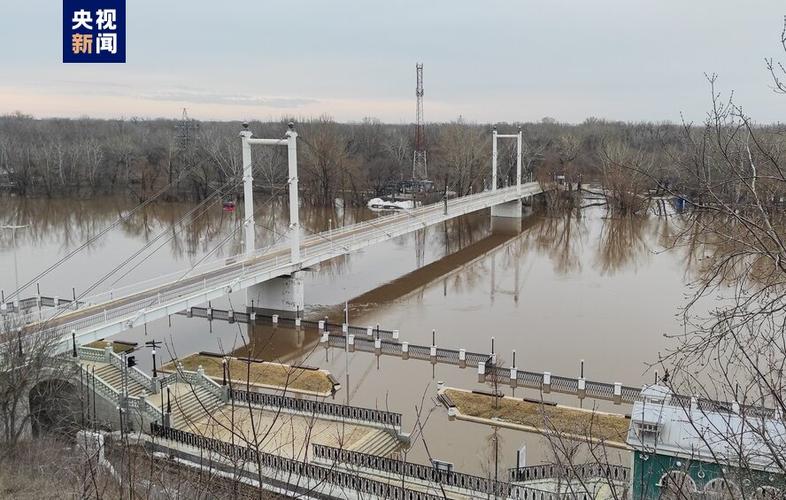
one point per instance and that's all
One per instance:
(311, 407)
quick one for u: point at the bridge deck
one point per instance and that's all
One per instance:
(116, 310)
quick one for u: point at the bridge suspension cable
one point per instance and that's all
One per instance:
(133, 256)
(97, 283)
(226, 238)
(211, 199)
(96, 237)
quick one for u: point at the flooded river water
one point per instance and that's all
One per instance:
(560, 290)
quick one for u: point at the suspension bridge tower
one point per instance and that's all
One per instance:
(419, 166)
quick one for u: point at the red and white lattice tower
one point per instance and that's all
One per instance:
(419, 168)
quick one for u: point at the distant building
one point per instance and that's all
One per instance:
(409, 186)
(692, 448)
(6, 179)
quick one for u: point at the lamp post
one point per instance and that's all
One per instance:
(346, 345)
(153, 343)
(162, 407)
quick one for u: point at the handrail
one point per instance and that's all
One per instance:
(386, 419)
(291, 467)
(211, 385)
(104, 387)
(398, 468)
(134, 373)
(580, 471)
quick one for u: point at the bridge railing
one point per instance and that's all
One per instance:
(238, 264)
(409, 215)
(403, 222)
(38, 301)
(131, 309)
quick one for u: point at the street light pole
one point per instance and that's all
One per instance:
(346, 345)
(153, 343)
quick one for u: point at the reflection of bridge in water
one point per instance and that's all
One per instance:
(269, 344)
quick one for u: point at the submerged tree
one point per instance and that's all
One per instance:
(736, 177)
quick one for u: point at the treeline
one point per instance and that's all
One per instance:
(84, 157)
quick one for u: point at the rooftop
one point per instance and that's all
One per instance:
(661, 423)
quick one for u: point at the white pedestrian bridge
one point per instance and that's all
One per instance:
(272, 276)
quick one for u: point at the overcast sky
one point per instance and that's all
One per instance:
(487, 60)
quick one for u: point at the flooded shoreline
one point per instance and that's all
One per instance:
(551, 291)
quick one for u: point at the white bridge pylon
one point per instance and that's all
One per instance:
(247, 139)
(284, 292)
(513, 208)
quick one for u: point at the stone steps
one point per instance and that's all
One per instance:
(381, 443)
(193, 406)
(114, 377)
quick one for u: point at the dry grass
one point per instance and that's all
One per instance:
(543, 417)
(46, 468)
(258, 372)
(117, 347)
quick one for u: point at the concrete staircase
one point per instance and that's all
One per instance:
(193, 406)
(114, 377)
(381, 443)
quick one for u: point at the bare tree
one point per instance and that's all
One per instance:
(462, 153)
(28, 371)
(735, 178)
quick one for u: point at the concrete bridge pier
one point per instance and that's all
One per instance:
(508, 217)
(511, 209)
(285, 293)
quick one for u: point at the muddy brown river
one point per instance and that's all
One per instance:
(558, 290)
